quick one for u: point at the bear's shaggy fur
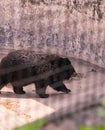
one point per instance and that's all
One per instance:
(23, 67)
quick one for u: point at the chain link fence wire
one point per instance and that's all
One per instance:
(50, 32)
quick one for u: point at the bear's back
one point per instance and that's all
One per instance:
(28, 58)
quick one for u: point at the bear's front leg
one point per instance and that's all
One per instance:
(41, 89)
(59, 86)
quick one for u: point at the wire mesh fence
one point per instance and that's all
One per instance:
(53, 37)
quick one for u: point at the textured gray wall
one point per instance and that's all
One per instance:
(72, 28)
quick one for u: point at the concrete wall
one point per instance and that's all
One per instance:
(72, 28)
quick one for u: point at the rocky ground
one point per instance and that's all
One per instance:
(89, 117)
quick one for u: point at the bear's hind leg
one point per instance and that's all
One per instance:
(41, 89)
(1, 88)
(59, 86)
(18, 90)
(3, 81)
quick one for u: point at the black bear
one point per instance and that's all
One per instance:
(23, 67)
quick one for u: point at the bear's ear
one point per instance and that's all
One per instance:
(63, 62)
(67, 61)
